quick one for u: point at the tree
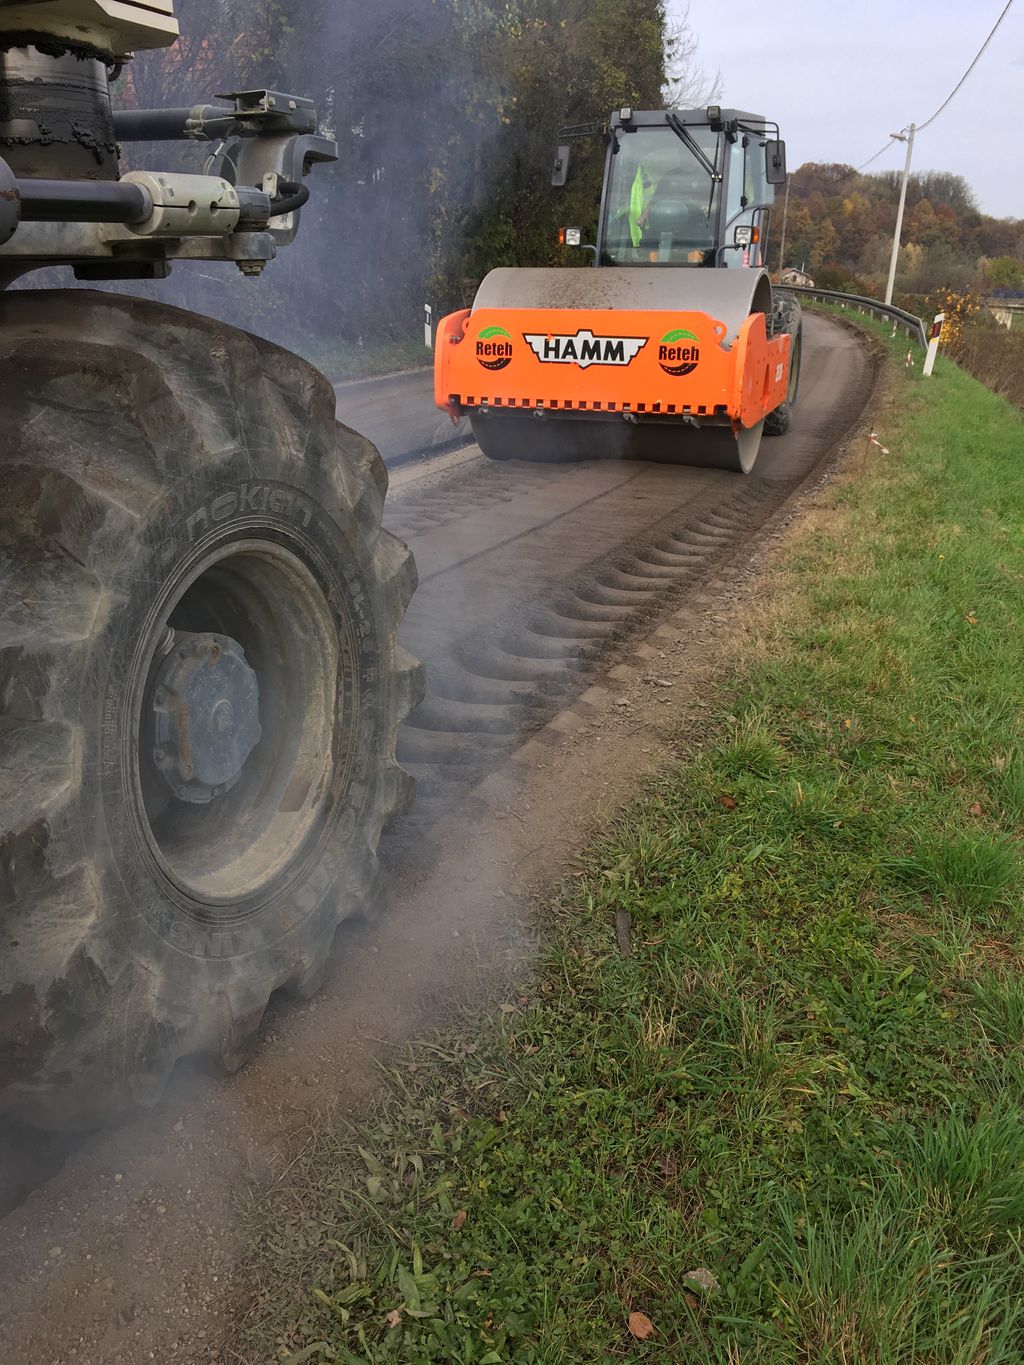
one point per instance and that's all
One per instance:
(1004, 273)
(845, 219)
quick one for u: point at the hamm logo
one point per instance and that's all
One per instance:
(494, 348)
(678, 352)
(584, 349)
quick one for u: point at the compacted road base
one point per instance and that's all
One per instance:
(536, 581)
(533, 576)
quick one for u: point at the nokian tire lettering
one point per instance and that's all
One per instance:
(250, 497)
(169, 475)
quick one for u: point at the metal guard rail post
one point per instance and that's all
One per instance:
(907, 322)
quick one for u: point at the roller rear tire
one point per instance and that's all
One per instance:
(182, 513)
(787, 316)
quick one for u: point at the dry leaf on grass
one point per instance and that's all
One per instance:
(394, 1318)
(727, 802)
(459, 1219)
(640, 1326)
(701, 1279)
(623, 925)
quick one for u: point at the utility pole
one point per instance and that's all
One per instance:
(908, 138)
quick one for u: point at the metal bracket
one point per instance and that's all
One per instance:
(269, 111)
(249, 161)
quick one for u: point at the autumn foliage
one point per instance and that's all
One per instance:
(840, 227)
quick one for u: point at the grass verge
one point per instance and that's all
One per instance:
(788, 1126)
(995, 356)
(345, 360)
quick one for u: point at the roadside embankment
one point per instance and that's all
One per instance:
(763, 1098)
(995, 356)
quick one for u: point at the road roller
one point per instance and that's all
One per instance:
(672, 345)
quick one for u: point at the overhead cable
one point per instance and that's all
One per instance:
(977, 58)
(877, 154)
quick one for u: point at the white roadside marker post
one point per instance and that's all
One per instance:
(428, 326)
(934, 337)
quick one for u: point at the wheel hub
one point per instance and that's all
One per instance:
(205, 705)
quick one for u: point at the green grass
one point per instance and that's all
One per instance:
(807, 1079)
(342, 360)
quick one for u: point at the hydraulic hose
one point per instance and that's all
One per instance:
(290, 198)
(203, 122)
(82, 201)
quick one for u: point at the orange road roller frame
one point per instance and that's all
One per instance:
(610, 361)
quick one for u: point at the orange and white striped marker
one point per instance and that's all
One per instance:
(934, 337)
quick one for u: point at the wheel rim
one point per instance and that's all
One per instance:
(236, 839)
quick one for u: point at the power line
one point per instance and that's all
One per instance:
(855, 170)
(956, 88)
(864, 164)
(959, 85)
(954, 91)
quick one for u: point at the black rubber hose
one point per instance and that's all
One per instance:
(169, 125)
(83, 201)
(290, 198)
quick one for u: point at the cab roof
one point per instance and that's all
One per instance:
(657, 118)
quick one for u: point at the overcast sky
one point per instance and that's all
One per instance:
(839, 77)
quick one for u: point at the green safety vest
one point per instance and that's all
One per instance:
(639, 198)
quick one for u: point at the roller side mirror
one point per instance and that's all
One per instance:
(775, 162)
(560, 173)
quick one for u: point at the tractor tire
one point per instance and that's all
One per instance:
(787, 316)
(200, 688)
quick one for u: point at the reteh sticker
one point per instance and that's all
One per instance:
(678, 352)
(494, 348)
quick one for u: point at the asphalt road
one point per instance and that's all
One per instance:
(397, 413)
(533, 575)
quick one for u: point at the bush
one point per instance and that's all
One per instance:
(993, 355)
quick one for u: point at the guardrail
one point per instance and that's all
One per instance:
(906, 322)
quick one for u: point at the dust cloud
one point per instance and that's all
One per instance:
(386, 225)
